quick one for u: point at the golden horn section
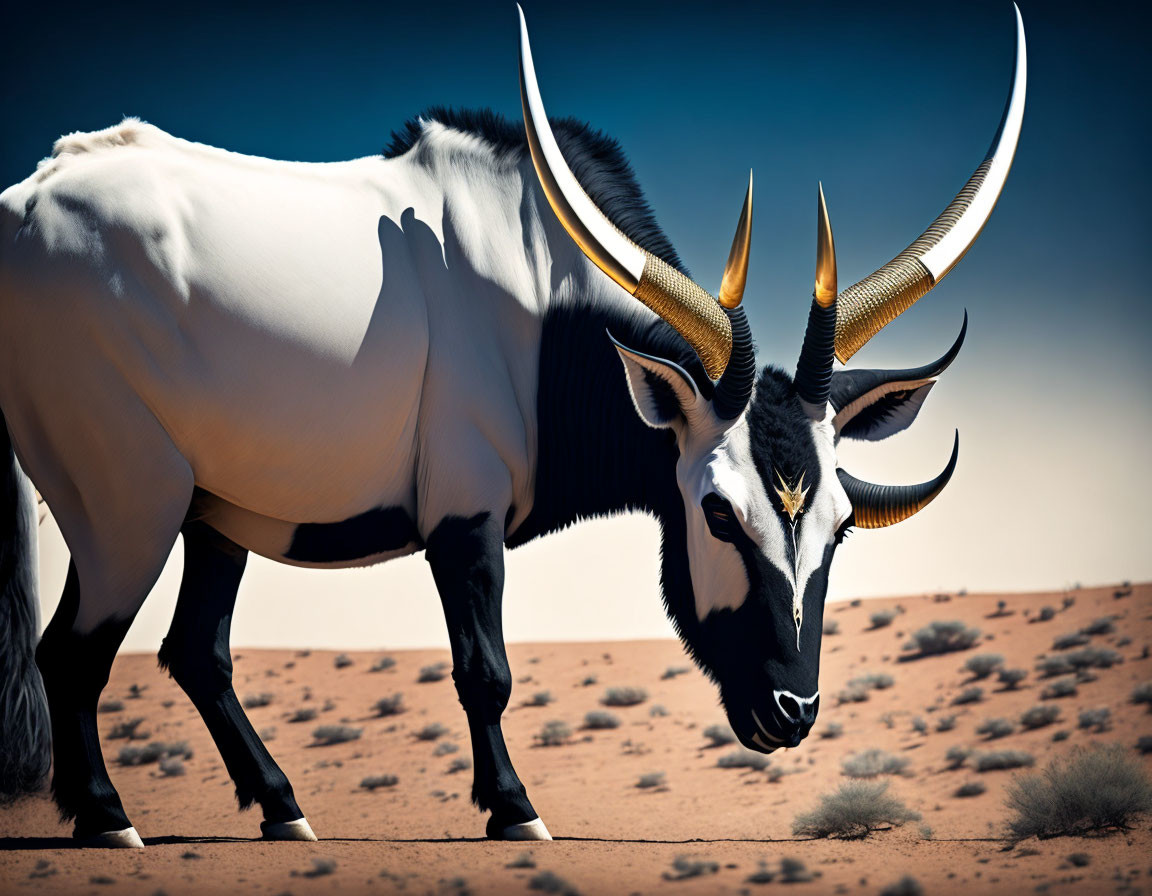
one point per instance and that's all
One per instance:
(865, 308)
(736, 270)
(825, 291)
(691, 311)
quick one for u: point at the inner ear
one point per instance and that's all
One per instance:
(662, 391)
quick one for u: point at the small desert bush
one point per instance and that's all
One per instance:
(831, 731)
(719, 735)
(588, 681)
(540, 698)
(875, 681)
(342, 661)
(919, 725)
(853, 694)
(983, 664)
(1102, 626)
(598, 720)
(650, 780)
(831, 627)
(127, 730)
(431, 732)
(1002, 759)
(327, 735)
(383, 664)
(1144, 744)
(1061, 687)
(744, 759)
(459, 764)
(657, 710)
(153, 752)
(1142, 694)
(255, 701)
(945, 723)
(1047, 614)
(1098, 720)
(956, 757)
(171, 767)
(970, 788)
(673, 671)
(1080, 793)
(995, 728)
(907, 885)
(1039, 716)
(1010, 678)
(445, 748)
(307, 714)
(624, 696)
(968, 695)
(854, 811)
(435, 672)
(1093, 658)
(882, 618)
(872, 763)
(942, 637)
(1070, 640)
(111, 706)
(554, 734)
(389, 706)
(685, 867)
(374, 782)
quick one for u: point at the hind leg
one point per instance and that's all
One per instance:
(196, 652)
(115, 563)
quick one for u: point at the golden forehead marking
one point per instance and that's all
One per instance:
(792, 498)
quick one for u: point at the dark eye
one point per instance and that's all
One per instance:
(721, 519)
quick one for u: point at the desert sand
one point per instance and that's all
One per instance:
(701, 829)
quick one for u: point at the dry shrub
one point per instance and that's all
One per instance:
(871, 763)
(719, 735)
(1070, 640)
(999, 760)
(744, 759)
(554, 734)
(874, 681)
(1098, 720)
(540, 698)
(307, 714)
(852, 812)
(650, 780)
(970, 788)
(598, 720)
(968, 695)
(943, 637)
(882, 618)
(994, 728)
(374, 782)
(1010, 678)
(831, 731)
(1039, 716)
(1062, 687)
(342, 661)
(435, 672)
(983, 664)
(327, 735)
(1142, 694)
(1085, 791)
(624, 696)
(389, 706)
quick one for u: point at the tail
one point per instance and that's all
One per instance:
(25, 729)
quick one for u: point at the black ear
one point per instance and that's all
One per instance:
(662, 391)
(875, 404)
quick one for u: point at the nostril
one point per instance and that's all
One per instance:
(790, 706)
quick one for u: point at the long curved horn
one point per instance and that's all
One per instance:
(694, 313)
(878, 299)
(876, 506)
(814, 369)
(734, 388)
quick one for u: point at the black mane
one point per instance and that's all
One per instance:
(595, 158)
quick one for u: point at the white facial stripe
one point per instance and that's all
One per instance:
(824, 512)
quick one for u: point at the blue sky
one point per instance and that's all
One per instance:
(891, 105)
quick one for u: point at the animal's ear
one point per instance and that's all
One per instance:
(878, 412)
(663, 392)
(875, 404)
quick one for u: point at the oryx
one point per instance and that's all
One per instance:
(438, 350)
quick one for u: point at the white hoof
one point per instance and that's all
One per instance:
(530, 830)
(125, 839)
(287, 830)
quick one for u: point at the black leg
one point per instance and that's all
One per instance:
(196, 653)
(75, 669)
(467, 560)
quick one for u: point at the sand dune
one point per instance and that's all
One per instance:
(614, 836)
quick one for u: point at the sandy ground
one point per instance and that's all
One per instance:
(422, 834)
